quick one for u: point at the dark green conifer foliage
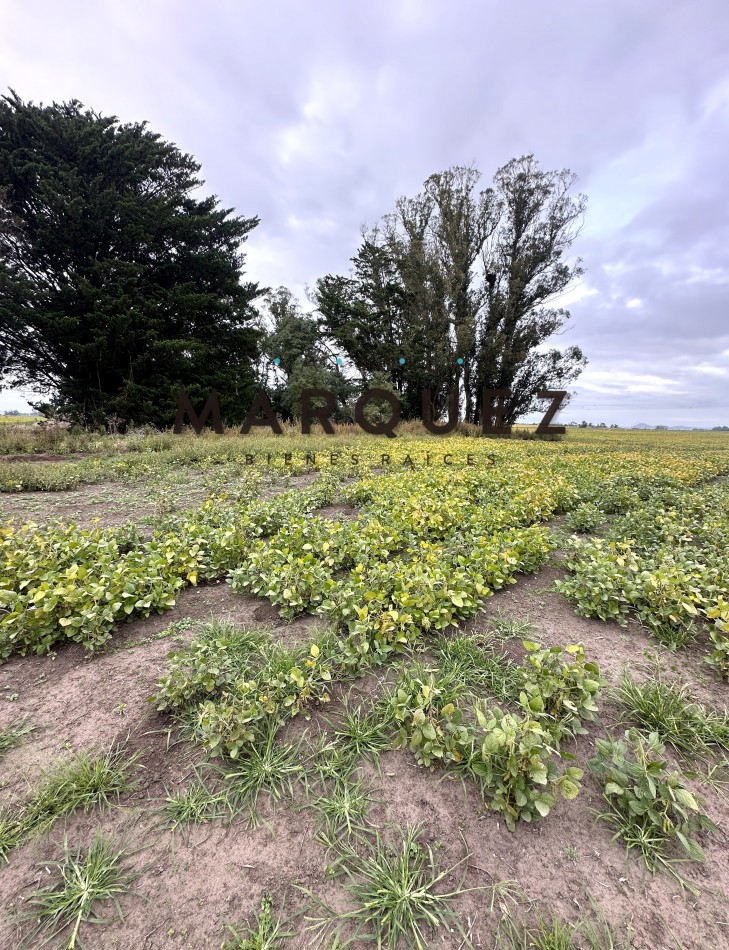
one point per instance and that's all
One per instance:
(117, 287)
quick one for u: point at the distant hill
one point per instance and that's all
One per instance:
(644, 425)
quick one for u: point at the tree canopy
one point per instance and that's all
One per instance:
(304, 358)
(117, 286)
(453, 289)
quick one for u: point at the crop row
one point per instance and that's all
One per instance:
(239, 689)
(64, 583)
(665, 563)
(236, 689)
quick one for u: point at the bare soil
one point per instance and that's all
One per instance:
(338, 512)
(111, 504)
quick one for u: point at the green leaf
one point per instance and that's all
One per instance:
(569, 789)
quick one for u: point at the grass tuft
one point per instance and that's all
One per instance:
(362, 732)
(86, 781)
(545, 935)
(396, 893)
(473, 662)
(669, 709)
(593, 932)
(87, 878)
(270, 769)
(505, 627)
(14, 734)
(195, 805)
(329, 759)
(343, 810)
(10, 833)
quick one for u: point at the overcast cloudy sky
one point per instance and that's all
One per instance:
(316, 116)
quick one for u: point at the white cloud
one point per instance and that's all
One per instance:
(711, 370)
(618, 381)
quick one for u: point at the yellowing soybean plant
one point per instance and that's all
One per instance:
(303, 691)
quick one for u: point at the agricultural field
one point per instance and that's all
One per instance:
(286, 692)
(19, 420)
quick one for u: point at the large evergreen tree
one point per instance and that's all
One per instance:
(117, 287)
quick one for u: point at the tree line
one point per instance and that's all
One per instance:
(119, 288)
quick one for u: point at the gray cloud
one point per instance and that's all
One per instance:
(317, 116)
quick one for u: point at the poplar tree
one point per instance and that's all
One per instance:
(455, 289)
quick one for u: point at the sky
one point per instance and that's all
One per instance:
(317, 116)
